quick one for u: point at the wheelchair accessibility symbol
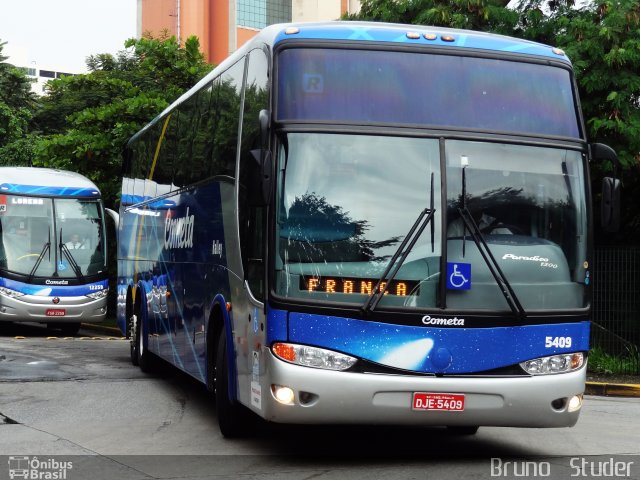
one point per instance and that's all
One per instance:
(458, 276)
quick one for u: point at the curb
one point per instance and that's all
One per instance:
(612, 389)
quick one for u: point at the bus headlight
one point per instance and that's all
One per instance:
(10, 293)
(312, 356)
(98, 294)
(554, 364)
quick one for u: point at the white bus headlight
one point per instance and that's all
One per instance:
(10, 293)
(312, 356)
(554, 364)
(99, 294)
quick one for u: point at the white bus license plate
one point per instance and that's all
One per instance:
(447, 402)
(55, 312)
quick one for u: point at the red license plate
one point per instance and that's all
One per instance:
(447, 402)
(55, 312)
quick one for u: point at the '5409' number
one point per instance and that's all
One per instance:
(557, 342)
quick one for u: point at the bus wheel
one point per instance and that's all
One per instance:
(145, 361)
(233, 419)
(472, 430)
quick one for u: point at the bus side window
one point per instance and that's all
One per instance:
(251, 213)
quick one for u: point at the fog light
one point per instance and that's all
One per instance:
(575, 403)
(282, 394)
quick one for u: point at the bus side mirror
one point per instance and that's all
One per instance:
(610, 208)
(266, 159)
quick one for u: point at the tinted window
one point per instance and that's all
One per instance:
(425, 89)
(251, 213)
(228, 113)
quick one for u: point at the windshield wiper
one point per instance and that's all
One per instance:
(424, 218)
(499, 276)
(72, 261)
(46, 248)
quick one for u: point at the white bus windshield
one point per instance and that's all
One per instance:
(345, 202)
(45, 237)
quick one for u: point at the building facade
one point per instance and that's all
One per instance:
(224, 25)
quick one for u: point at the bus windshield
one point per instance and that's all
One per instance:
(408, 88)
(336, 235)
(46, 237)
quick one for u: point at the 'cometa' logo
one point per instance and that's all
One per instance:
(178, 232)
(455, 321)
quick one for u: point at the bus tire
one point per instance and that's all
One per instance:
(145, 360)
(232, 417)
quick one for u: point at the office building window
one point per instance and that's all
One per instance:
(47, 74)
(260, 13)
(28, 71)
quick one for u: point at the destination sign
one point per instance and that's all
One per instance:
(363, 286)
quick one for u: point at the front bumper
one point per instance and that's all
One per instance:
(33, 308)
(323, 396)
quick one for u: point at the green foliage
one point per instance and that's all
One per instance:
(602, 362)
(85, 121)
(485, 15)
(17, 104)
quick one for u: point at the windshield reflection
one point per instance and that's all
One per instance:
(529, 206)
(345, 202)
(340, 219)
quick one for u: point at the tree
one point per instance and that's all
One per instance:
(17, 104)
(486, 15)
(86, 120)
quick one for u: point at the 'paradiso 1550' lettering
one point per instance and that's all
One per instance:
(178, 232)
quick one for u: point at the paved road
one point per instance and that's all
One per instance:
(82, 397)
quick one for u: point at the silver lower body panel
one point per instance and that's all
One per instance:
(32, 308)
(323, 396)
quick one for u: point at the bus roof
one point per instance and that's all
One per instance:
(46, 182)
(409, 35)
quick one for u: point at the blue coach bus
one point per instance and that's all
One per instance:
(368, 223)
(53, 262)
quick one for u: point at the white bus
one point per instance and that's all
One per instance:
(53, 256)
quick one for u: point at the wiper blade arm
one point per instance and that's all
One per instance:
(502, 281)
(398, 259)
(46, 248)
(424, 218)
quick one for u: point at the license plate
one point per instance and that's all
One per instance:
(55, 312)
(446, 402)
